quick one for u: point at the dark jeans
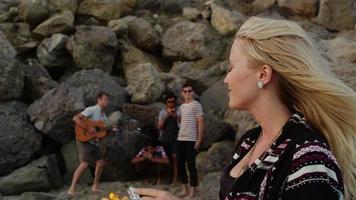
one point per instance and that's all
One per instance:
(186, 154)
(170, 148)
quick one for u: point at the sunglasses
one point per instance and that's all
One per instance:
(187, 91)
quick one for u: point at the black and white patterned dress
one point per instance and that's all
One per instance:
(298, 166)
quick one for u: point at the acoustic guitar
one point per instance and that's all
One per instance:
(82, 133)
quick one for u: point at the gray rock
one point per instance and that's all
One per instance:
(202, 74)
(146, 114)
(216, 158)
(131, 57)
(90, 51)
(19, 35)
(19, 140)
(37, 81)
(173, 82)
(166, 6)
(126, 144)
(215, 129)
(59, 6)
(7, 51)
(190, 41)
(106, 9)
(120, 26)
(143, 34)
(71, 160)
(343, 46)
(242, 121)
(261, 5)
(225, 21)
(53, 113)
(298, 7)
(40, 175)
(37, 196)
(191, 13)
(210, 186)
(143, 84)
(335, 15)
(11, 79)
(52, 52)
(216, 98)
(34, 12)
(59, 23)
(5, 5)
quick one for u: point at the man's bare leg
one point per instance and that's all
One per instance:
(191, 193)
(184, 191)
(78, 172)
(98, 171)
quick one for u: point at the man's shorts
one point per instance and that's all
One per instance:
(90, 152)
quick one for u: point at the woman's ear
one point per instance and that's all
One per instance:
(265, 74)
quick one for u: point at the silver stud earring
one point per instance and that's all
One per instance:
(260, 84)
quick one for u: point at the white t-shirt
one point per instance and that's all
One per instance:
(94, 113)
(189, 125)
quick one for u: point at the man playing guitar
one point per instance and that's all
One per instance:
(91, 150)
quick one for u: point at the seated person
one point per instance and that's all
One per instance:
(151, 161)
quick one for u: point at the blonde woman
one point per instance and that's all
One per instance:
(304, 147)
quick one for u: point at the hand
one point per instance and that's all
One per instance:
(197, 145)
(91, 131)
(154, 194)
(115, 129)
(171, 112)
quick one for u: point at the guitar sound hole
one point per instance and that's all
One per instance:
(97, 129)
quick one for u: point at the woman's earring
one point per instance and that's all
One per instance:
(260, 84)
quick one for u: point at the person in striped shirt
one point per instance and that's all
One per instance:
(189, 138)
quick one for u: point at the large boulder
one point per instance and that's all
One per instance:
(37, 81)
(216, 158)
(34, 12)
(106, 9)
(241, 121)
(143, 34)
(19, 140)
(190, 41)
(147, 114)
(11, 79)
(141, 71)
(215, 129)
(40, 175)
(5, 5)
(121, 26)
(59, 6)
(210, 186)
(201, 74)
(225, 21)
(335, 15)
(71, 160)
(19, 35)
(52, 52)
(173, 82)
(53, 113)
(93, 47)
(7, 51)
(216, 98)
(298, 7)
(59, 23)
(143, 84)
(342, 46)
(262, 5)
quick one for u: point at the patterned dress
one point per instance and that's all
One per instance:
(298, 166)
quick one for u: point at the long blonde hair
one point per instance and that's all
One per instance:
(307, 86)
